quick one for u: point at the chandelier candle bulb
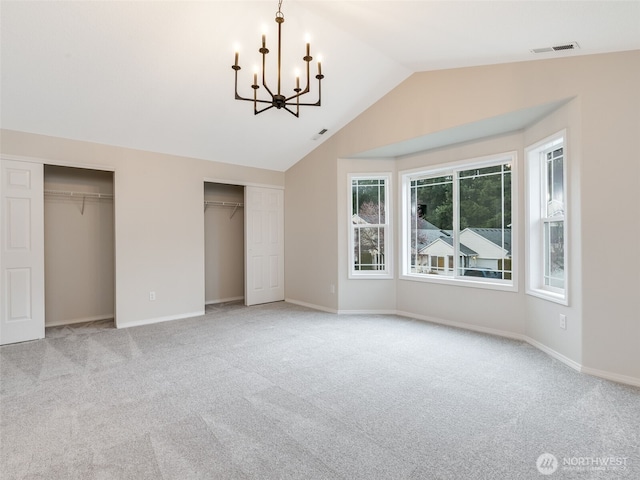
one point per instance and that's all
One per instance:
(264, 40)
(236, 64)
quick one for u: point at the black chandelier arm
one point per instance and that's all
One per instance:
(297, 95)
(294, 96)
(236, 68)
(256, 100)
(308, 59)
(264, 79)
(306, 90)
(295, 114)
(317, 104)
(256, 111)
(238, 97)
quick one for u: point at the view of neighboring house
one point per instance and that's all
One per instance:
(437, 257)
(483, 251)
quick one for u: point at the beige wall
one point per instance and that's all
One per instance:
(603, 128)
(311, 239)
(159, 219)
(610, 183)
(78, 247)
(543, 316)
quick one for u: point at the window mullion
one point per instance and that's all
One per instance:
(456, 223)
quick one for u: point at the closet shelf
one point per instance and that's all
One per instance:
(217, 203)
(223, 204)
(62, 193)
(83, 195)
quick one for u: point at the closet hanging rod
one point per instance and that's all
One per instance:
(217, 203)
(63, 193)
(223, 204)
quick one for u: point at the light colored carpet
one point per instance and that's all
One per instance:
(283, 392)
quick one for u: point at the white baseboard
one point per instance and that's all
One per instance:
(534, 343)
(73, 321)
(223, 300)
(552, 353)
(368, 312)
(614, 377)
(465, 326)
(150, 321)
(310, 305)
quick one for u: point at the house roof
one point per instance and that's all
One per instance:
(466, 251)
(495, 235)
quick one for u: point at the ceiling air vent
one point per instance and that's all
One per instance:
(557, 48)
(319, 134)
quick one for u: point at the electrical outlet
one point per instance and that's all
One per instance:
(332, 288)
(563, 321)
(152, 296)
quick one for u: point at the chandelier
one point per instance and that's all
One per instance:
(278, 99)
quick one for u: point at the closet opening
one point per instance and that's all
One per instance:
(79, 250)
(224, 245)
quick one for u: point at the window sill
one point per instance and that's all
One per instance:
(560, 298)
(462, 282)
(370, 276)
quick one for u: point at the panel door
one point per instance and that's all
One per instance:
(21, 252)
(264, 245)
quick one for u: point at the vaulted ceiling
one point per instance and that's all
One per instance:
(157, 75)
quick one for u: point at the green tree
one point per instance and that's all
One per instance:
(481, 201)
(485, 198)
(438, 198)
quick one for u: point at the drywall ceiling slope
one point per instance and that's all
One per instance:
(489, 127)
(156, 76)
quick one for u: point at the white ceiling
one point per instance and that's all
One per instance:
(156, 75)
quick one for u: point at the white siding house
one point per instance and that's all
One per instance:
(481, 248)
(491, 244)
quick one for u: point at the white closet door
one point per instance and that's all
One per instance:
(22, 252)
(264, 245)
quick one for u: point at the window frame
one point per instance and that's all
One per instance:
(387, 272)
(405, 177)
(536, 219)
